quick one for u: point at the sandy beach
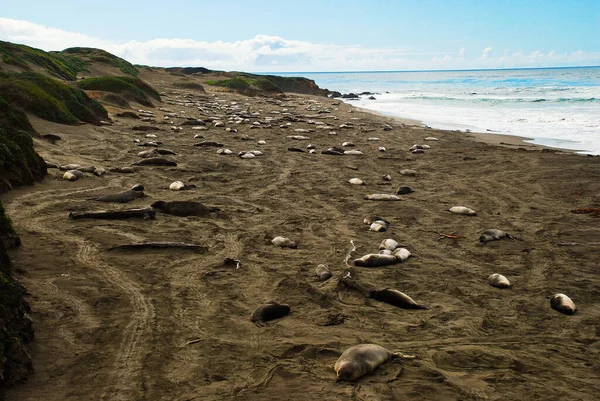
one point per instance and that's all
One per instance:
(174, 324)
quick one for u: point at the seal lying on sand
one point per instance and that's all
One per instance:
(493, 234)
(283, 242)
(498, 281)
(563, 304)
(184, 208)
(394, 297)
(375, 260)
(269, 311)
(124, 196)
(462, 210)
(361, 359)
(155, 161)
(323, 272)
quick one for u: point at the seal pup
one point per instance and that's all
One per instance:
(72, 175)
(361, 359)
(378, 226)
(388, 244)
(323, 272)
(180, 186)
(184, 208)
(381, 197)
(401, 254)
(356, 181)
(372, 219)
(563, 304)
(394, 297)
(137, 191)
(462, 210)
(283, 242)
(269, 311)
(375, 260)
(498, 281)
(493, 234)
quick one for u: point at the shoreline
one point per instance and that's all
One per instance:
(503, 140)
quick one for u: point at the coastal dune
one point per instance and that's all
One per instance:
(175, 323)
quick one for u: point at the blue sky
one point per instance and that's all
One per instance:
(317, 35)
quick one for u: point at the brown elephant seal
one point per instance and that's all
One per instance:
(394, 297)
(269, 311)
(378, 226)
(283, 242)
(401, 254)
(323, 272)
(123, 196)
(72, 175)
(155, 161)
(498, 281)
(375, 260)
(184, 208)
(404, 190)
(462, 210)
(563, 304)
(362, 359)
(492, 235)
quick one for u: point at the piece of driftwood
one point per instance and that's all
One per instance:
(144, 213)
(160, 245)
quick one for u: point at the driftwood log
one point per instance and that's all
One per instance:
(145, 214)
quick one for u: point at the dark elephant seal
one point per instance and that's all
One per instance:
(361, 359)
(155, 161)
(184, 208)
(563, 304)
(269, 311)
(404, 190)
(492, 235)
(123, 196)
(375, 260)
(394, 297)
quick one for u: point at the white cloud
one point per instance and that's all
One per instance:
(273, 53)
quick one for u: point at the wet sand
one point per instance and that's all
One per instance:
(175, 324)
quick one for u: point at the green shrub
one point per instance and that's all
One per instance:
(189, 85)
(102, 56)
(233, 83)
(50, 99)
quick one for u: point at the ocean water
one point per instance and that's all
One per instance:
(557, 107)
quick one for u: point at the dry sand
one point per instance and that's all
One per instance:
(175, 325)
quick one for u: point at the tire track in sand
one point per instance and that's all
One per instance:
(128, 361)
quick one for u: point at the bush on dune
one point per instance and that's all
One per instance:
(131, 88)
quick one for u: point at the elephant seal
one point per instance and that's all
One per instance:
(323, 272)
(388, 244)
(378, 226)
(356, 181)
(184, 208)
(498, 281)
(381, 197)
(123, 196)
(375, 260)
(269, 311)
(155, 161)
(72, 175)
(283, 242)
(462, 210)
(493, 234)
(401, 254)
(394, 297)
(404, 190)
(563, 304)
(361, 359)
(371, 219)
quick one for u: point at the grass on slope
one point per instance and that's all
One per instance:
(49, 98)
(101, 56)
(129, 87)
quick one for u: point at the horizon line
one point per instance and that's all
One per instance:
(459, 70)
